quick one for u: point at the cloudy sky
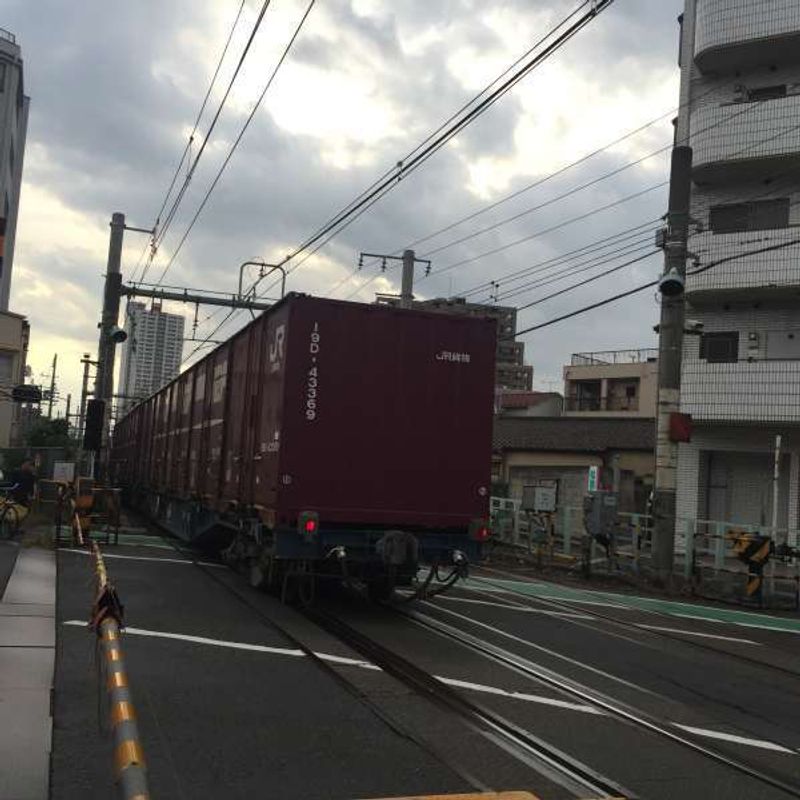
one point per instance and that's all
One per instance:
(115, 88)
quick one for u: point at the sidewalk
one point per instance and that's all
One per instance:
(27, 652)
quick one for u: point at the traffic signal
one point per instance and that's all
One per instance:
(93, 432)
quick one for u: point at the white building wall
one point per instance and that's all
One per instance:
(746, 149)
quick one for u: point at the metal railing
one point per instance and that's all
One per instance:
(711, 552)
(575, 403)
(8, 36)
(605, 357)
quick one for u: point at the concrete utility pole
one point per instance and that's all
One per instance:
(67, 414)
(407, 281)
(670, 351)
(52, 387)
(409, 260)
(106, 348)
(87, 362)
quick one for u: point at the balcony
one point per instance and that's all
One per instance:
(595, 404)
(740, 34)
(605, 357)
(741, 391)
(762, 275)
(741, 141)
(7, 36)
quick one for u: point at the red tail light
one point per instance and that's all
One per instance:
(308, 524)
(480, 530)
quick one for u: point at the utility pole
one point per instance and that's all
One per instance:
(409, 260)
(69, 408)
(670, 351)
(87, 362)
(106, 348)
(52, 388)
(407, 281)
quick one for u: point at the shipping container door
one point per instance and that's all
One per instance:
(250, 437)
(193, 481)
(270, 440)
(235, 418)
(215, 419)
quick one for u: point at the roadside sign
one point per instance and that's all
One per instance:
(593, 479)
(541, 495)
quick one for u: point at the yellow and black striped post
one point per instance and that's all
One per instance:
(129, 764)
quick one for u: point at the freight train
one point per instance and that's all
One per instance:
(324, 438)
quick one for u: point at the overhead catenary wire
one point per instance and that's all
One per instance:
(159, 237)
(436, 141)
(408, 165)
(238, 139)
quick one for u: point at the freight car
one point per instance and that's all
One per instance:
(325, 437)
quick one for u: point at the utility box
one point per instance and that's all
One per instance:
(600, 515)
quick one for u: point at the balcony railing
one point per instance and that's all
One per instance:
(8, 36)
(729, 139)
(601, 403)
(741, 391)
(770, 271)
(605, 357)
(734, 34)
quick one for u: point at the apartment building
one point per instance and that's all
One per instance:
(152, 353)
(740, 112)
(13, 129)
(612, 383)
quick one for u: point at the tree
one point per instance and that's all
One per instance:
(49, 433)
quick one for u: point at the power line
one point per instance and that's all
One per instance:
(159, 238)
(190, 140)
(237, 140)
(407, 166)
(650, 284)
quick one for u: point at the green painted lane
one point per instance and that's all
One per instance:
(554, 591)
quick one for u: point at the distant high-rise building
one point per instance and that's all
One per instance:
(740, 105)
(152, 353)
(13, 127)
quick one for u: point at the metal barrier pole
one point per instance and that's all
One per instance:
(719, 547)
(688, 563)
(567, 530)
(129, 764)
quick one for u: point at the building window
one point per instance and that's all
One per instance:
(2, 77)
(767, 92)
(720, 348)
(6, 366)
(758, 215)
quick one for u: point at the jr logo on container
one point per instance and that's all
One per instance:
(277, 347)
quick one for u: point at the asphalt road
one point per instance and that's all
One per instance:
(239, 696)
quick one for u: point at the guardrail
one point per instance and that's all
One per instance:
(751, 557)
(107, 623)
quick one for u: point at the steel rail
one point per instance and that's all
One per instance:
(565, 605)
(541, 756)
(613, 708)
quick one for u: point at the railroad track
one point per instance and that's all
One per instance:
(543, 758)
(585, 694)
(564, 605)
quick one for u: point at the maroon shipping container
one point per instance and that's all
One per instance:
(369, 416)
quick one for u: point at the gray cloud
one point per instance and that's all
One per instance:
(112, 126)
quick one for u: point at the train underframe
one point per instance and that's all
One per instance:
(287, 561)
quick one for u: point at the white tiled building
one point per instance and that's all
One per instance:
(740, 112)
(152, 353)
(13, 128)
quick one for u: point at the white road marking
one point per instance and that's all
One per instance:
(146, 558)
(350, 662)
(530, 698)
(582, 601)
(547, 612)
(731, 737)
(697, 633)
(766, 628)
